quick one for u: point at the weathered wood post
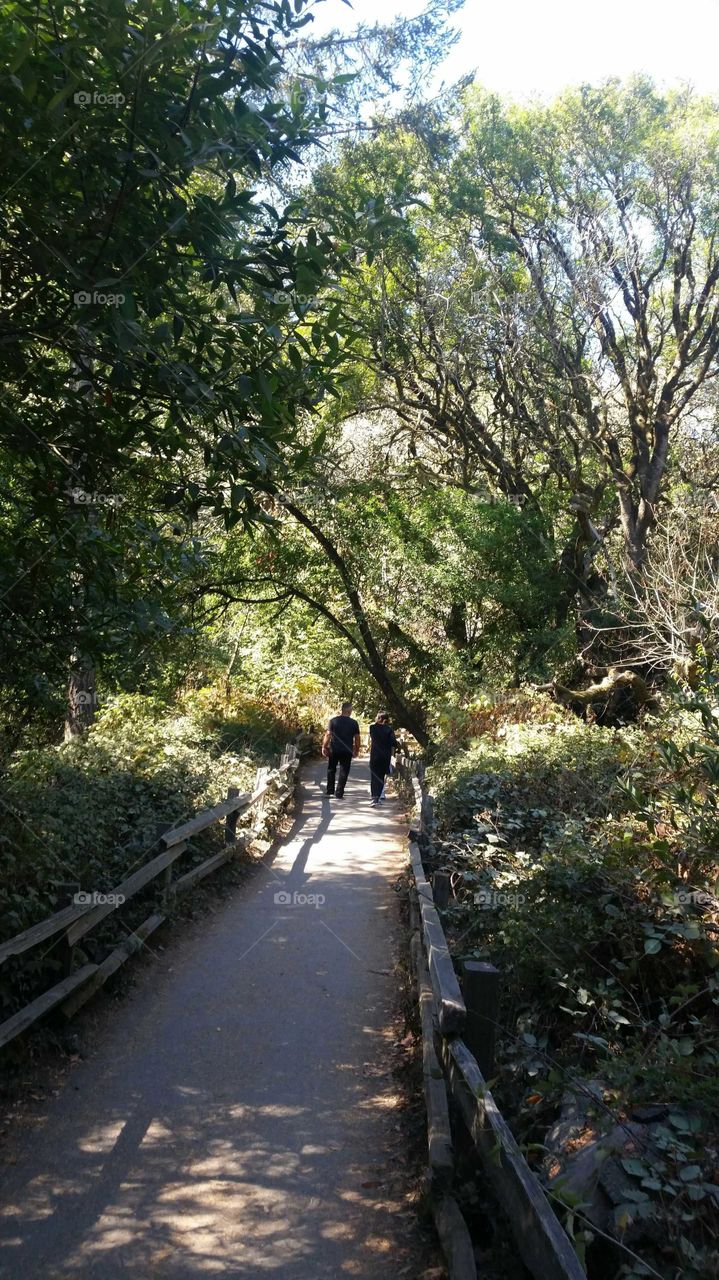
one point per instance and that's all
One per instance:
(231, 819)
(65, 897)
(480, 988)
(426, 806)
(157, 846)
(260, 781)
(427, 815)
(440, 888)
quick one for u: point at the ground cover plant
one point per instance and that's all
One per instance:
(82, 815)
(584, 867)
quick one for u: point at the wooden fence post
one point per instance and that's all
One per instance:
(159, 831)
(65, 898)
(440, 888)
(427, 811)
(480, 988)
(231, 819)
(260, 781)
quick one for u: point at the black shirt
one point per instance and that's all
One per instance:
(382, 740)
(343, 731)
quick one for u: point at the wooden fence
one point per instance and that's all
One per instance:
(273, 788)
(451, 1017)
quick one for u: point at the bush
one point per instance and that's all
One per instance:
(85, 813)
(487, 715)
(570, 846)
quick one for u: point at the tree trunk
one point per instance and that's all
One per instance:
(455, 626)
(407, 717)
(81, 699)
(634, 535)
(410, 718)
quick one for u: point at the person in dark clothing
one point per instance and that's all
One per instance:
(382, 746)
(340, 745)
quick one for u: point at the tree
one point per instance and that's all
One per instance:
(422, 585)
(149, 356)
(606, 204)
(166, 318)
(541, 316)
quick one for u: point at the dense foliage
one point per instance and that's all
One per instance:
(584, 864)
(82, 816)
(142, 359)
(314, 386)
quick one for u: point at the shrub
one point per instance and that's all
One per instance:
(85, 813)
(584, 862)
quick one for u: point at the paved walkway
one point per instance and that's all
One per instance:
(236, 1117)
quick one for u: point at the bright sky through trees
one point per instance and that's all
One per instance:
(543, 45)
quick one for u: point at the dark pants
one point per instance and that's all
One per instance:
(338, 760)
(378, 770)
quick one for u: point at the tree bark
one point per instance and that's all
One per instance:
(455, 626)
(81, 699)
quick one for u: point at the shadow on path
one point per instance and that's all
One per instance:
(235, 1119)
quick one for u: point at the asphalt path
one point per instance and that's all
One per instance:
(238, 1116)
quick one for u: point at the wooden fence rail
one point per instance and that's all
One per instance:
(540, 1239)
(79, 918)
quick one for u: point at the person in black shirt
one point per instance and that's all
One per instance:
(382, 746)
(340, 744)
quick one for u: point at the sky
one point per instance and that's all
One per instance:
(521, 47)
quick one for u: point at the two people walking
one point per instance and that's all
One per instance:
(341, 744)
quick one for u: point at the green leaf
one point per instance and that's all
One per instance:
(58, 98)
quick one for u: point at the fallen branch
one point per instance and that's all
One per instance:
(614, 680)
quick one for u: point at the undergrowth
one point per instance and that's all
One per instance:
(82, 815)
(584, 867)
